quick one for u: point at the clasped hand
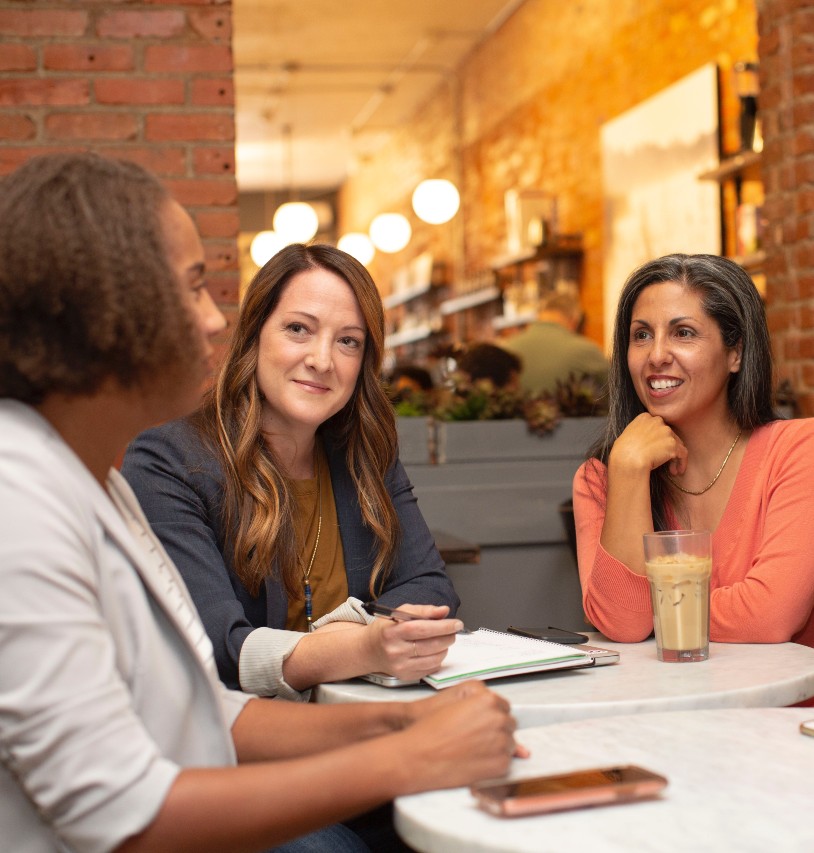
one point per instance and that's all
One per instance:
(648, 442)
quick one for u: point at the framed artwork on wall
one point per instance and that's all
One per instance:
(654, 202)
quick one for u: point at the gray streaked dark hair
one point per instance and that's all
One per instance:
(730, 297)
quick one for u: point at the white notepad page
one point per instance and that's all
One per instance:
(485, 654)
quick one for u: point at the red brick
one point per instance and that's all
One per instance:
(91, 126)
(42, 22)
(204, 193)
(213, 92)
(17, 126)
(219, 223)
(807, 346)
(777, 320)
(214, 24)
(38, 92)
(139, 90)
(88, 57)
(181, 58)
(11, 158)
(221, 255)
(803, 143)
(803, 83)
(133, 24)
(214, 160)
(190, 126)
(225, 289)
(805, 404)
(164, 160)
(18, 57)
(804, 203)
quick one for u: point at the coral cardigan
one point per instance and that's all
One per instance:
(762, 550)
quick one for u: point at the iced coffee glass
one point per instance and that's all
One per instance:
(679, 565)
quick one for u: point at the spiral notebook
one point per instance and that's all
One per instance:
(486, 654)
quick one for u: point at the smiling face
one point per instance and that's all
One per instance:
(676, 356)
(310, 353)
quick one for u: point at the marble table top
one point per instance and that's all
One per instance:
(735, 676)
(739, 780)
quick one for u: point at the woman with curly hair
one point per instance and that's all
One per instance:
(116, 732)
(282, 500)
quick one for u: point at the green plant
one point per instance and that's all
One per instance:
(464, 400)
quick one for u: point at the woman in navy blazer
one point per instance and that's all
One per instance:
(282, 500)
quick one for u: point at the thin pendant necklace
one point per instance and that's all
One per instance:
(306, 575)
(715, 478)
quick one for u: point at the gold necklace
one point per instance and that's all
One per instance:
(715, 478)
(306, 575)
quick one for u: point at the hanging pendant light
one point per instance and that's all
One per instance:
(295, 222)
(436, 201)
(264, 246)
(390, 232)
(359, 246)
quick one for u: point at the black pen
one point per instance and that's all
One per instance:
(376, 609)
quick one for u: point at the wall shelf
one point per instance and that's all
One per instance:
(733, 166)
(395, 299)
(470, 300)
(740, 180)
(408, 336)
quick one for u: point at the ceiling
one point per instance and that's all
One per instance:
(320, 85)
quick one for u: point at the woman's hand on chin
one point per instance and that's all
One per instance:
(646, 443)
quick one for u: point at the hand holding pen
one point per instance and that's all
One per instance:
(413, 641)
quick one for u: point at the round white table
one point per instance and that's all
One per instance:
(735, 676)
(739, 780)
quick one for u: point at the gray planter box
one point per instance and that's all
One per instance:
(501, 487)
(416, 440)
(482, 441)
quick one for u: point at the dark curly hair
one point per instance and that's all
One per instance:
(86, 289)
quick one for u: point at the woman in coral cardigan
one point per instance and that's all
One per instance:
(692, 441)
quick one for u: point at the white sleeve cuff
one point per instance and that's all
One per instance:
(349, 611)
(260, 668)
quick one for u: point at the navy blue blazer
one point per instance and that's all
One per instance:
(178, 482)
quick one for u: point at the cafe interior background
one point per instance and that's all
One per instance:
(581, 138)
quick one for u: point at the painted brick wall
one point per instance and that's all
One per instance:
(787, 110)
(144, 81)
(533, 99)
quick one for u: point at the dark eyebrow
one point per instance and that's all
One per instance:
(361, 329)
(674, 322)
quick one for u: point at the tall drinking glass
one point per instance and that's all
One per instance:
(679, 565)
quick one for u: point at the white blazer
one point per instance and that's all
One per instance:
(107, 680)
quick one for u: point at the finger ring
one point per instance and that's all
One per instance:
(415, 650)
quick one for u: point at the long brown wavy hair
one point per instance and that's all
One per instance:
(258, 503)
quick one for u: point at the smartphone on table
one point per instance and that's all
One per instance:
(807, 727)
(552, 635)
(596, 786)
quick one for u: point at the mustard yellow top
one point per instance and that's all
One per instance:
(329, 583)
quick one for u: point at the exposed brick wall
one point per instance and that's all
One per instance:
(533, 99)
(787, 110)
(145, 81)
